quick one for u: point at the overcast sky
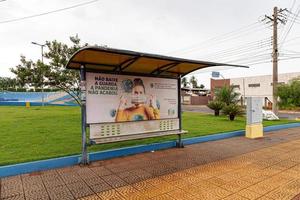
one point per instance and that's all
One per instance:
(214, 30)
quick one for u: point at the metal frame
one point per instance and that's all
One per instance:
(84, 158)
(118, 69)
(167, 66)
(136, 55)
(130, 63)
(179, 143)
(148, 55)
(133, 74)
(137, 137)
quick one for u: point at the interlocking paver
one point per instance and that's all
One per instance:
(15, 197)
(80, 189)
(235, 168)
(249, 194)
(60, 193)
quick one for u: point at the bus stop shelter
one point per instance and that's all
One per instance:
(124, 62)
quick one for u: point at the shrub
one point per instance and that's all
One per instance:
(232, 110)
(216, 106)
(289, 94)
(227, 95)
(21, 90)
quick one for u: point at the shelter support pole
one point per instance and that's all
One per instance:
(179, 143)
(84, 157)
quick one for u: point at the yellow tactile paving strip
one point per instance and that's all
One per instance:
(236, 168)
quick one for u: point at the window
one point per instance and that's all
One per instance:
(254, 85)
(236, 86)
(279, 83)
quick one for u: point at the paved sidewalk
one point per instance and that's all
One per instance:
(235, 168)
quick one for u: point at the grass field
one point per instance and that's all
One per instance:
(46, 132)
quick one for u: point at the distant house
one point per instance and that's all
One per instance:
(194, 91)
(195, 96)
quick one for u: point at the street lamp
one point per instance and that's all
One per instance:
(42, 51)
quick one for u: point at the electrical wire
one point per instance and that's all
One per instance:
(246, 46)
(290, 27)
(260, 57)
(251, 56)
(218, 43)
(286, 16)
(290, 58)
(49, 12)
(269, 61)
(216, 38)
(240, 52)
(245, 55)
(292, 51)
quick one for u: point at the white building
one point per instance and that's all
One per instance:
(260, 86)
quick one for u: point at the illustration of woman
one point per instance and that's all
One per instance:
(139, 111)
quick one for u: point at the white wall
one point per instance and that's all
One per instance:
(265, 88)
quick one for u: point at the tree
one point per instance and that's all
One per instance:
(29, 73)
(53, 73)
(232, 110)
(284, 93)
(229, 98)
(194, 82)
(58, 55)
(201, 86)
(6, 83)
(216, 106)
(184, 82)
(289, 94)
(227, 95)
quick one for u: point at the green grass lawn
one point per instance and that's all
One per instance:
(46, 132)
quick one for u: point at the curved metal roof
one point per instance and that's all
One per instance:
(108, 60)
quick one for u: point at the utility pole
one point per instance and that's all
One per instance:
(274, 19)
(275, 62)
(42, 75)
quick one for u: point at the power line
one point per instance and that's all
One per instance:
(241, 55)
(216, 38)
(292, 51)
(281, 25)
(258, 57)
(239, 51)
(290, 27)
(49, 12)
(251, 56)
(294, 18)
(290, 58)
(239, 48)
(293, 14)
(269, 61)
(222, 41)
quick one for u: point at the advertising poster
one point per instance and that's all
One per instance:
(122, 98)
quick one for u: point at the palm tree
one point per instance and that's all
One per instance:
(184, 81)
(227, 95)
(193, 81)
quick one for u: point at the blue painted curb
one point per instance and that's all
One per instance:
(280, 127)
(28, 167)
(94, 156)
(21, 103)
(10, 170)
(207, 138)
